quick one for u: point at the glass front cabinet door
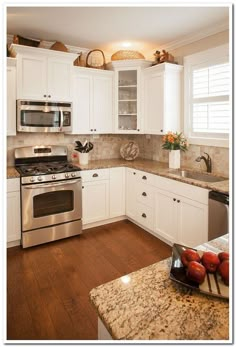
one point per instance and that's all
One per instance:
(128, 113)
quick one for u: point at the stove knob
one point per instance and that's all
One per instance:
(73, 174)
(32, 179)
(54, 177)
(67, 175)
(40, 178)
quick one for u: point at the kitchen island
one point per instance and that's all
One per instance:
(147, 305)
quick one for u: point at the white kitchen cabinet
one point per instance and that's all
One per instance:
(181, 212)
(95, 195)
(117, 192)
(127, 86)
(11, 97)
(92, 101)
(44, 74)
(13, 210)
(162, 98)
(131, 199)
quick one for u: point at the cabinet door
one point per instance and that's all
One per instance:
(153, 103)
(59, 79)
(131, 199)
(117, 192)
(13, 216)
(32, 77)
(95, 201)
(166, 216)
(102, 104)
(193, 220)
(11, 101)
(82, 107)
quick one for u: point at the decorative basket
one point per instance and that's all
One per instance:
(59, 46)
(98, 61)
(19, 40)
(126, 55)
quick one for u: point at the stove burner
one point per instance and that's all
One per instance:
(46, 168)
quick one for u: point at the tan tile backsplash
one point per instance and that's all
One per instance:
(108, 147)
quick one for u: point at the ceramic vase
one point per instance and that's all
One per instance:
(83, 158)
(174, 159)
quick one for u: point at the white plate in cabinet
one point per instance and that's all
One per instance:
(145, 194)
(144, 215)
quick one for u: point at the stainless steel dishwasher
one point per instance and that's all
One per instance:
(218, 215)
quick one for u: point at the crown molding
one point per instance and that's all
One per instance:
(186, 40)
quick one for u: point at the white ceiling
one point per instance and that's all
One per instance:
(148, 28)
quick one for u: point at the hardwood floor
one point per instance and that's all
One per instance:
(48, 285)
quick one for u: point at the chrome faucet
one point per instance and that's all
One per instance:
(207, 161)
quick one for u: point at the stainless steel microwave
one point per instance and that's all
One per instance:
(40, 116)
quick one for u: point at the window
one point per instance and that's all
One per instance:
(207, 97)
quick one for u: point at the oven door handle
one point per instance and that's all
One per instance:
(51, 185)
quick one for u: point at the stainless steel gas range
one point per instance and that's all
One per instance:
(51, 198)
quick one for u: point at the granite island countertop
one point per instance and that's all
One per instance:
(150, 166)
(147, 305)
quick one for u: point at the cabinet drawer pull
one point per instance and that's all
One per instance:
(95, 175)
(161, 130)
(44, 95)
(91, 129)
(144, 215)
(82, 187)
(95, 129)
(49, 96)
(174, 199)
(144, 177)
(134, 173)
(178, 201)
(144, 194)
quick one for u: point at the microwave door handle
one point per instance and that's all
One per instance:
(51, 185)
(61, 119)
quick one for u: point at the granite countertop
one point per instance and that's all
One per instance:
(12, 172)
(147, 305)
(151, 166)
(156, 168)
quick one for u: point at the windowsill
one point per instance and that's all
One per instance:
(208, 141)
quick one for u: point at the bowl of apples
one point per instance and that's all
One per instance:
(207, 272)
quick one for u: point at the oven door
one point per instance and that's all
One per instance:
(49, 204)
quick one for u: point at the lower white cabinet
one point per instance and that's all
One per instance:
(117, 192)
(103, 194)
(13, 210)
(131, 185)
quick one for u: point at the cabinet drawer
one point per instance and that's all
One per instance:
(145, 177)
(145, 194)
(13, 185)
(95, 175)
(145, 215)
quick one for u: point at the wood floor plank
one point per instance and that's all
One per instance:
(48, 285)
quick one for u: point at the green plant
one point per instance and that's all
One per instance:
(173, 141)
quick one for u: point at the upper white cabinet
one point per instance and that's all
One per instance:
(92, 101)
(44, 74)
(11, 97)
(127, 86)
(162, 98)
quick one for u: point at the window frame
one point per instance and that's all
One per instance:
(217, 55)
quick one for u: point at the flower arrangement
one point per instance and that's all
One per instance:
(173, 141)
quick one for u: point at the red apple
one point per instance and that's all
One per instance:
(196, 272)
(223, 269)
(211, 261)
(189, 255)
(223, 256)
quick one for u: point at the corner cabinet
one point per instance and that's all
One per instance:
(11, 97)
(127, 92)
(162, 85)
(43, 74)
(92, 101)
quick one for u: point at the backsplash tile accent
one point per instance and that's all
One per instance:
(108, 147)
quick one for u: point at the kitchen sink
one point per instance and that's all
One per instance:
(204, 177)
